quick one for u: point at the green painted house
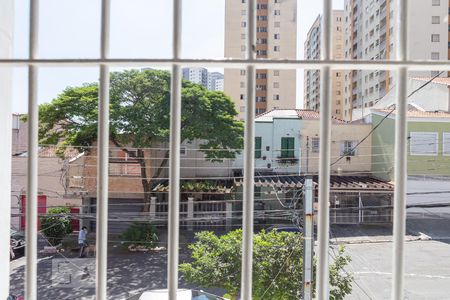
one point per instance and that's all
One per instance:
(428, 143)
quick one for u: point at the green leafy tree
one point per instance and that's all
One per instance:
(140, 234)
(140, 118)
(277, 265)
(56, 224)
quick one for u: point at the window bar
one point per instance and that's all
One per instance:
(6, 26)
(174, 163)
(32, 167)
(249, 150)
(324, 161)
(400, 173)
(103, 159)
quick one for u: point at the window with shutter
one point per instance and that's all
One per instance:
(258, 144)
(287, 147)
(423, 143)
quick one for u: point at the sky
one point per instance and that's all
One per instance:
(139, 29)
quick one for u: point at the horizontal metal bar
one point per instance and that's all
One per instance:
(236, 63)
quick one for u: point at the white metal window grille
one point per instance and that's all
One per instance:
(423, 143)
(315, 145)
(326, 64)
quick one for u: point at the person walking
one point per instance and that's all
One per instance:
(82, 242)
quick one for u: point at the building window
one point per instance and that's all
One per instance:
(423, 143)
(242, 84)
(259, 111)
(261, 75)
(242, 36)
(242, 97)
(276, 36)
(261, 41)
(276, 73)
(276, 48)
(260, 99)
(436, 2)
(258, 146)
(435, 55)
(287, 147)
(276, 85)
(243, 12)
(261, 29)
(261, 6)
(243, 48)
(276, 97)
(261, 18)
(348, 148)
(261, 52)
(276, 12)
(242, 109)
(315, 145)
(435, 20)
(446, 143)
(435, 38)
(276, 24)
(260, 87)
(242, 72)
(243, 24)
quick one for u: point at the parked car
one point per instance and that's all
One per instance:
(182, 294)
(17, 242)
(285, 228)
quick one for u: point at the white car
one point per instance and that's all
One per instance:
(182, 294)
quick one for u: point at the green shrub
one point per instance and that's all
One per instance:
(56, 224)
(140, 234)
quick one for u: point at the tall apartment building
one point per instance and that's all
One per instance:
(369, 32)
(215, 81)
(276, 27)
(311, 97)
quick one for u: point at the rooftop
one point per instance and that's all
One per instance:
(418, 113)
(438, 80)
(301, 114)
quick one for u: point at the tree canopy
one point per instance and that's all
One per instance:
(277, 265)
(140, 114)
(140, 119)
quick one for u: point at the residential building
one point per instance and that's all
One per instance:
(438, 90)
(276, 38)
(215, 81)
(287, 142)
(428, 139)
(312, 46)
(196, 75)
(52, 190)
(370, 34)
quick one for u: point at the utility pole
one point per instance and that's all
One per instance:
(308, 237)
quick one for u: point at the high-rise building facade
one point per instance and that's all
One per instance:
(276, 34)
(215, 81)
(311, 91)
(196, 75)
(369, 33)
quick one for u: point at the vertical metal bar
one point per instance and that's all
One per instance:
(174, 161)
(400, 174)
(249, 163)
(32, 168)
(308, 238)
(324, 157)
(6, 43)
(103, 159)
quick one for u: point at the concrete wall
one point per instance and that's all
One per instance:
(50, 171)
